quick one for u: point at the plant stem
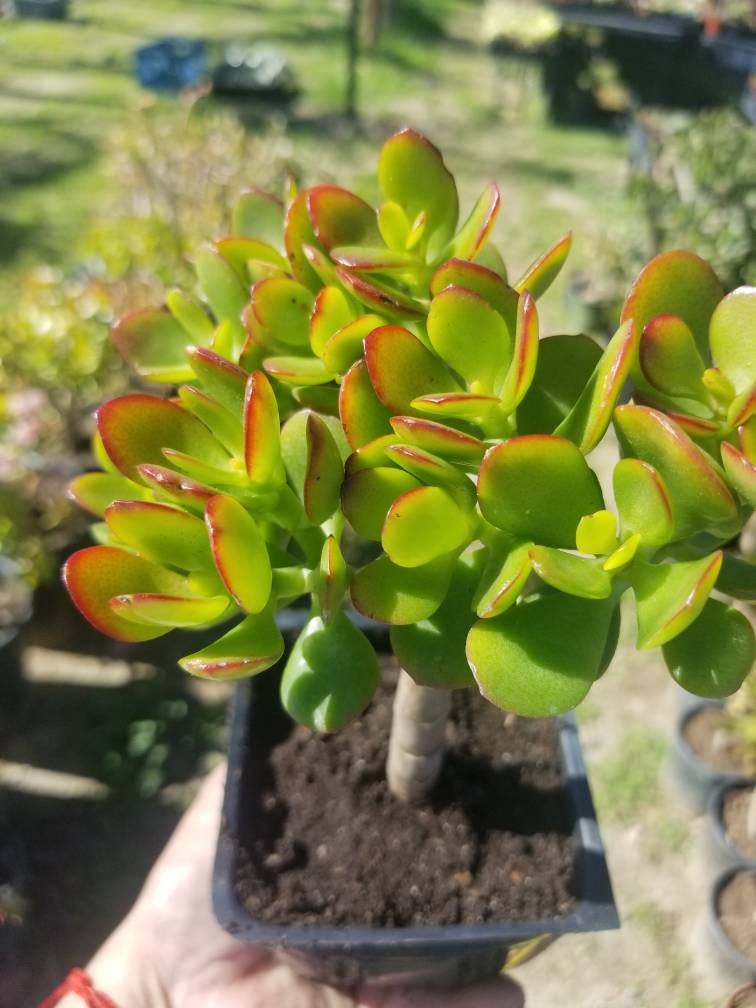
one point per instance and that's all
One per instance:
(418, 739)
(751, 815)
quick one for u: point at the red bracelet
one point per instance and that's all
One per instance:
(77, 982)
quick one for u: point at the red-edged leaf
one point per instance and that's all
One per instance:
(401, 368)
(643, 502)
(423, 524)
(176, 486)
(239, 552)
(251, 259)
(136, 428)
(507, 569)
(483, 281)
(367, 495)
(525, 356)
(346, 345)
(169, 611)
(475, 231)
(258, 214)
(250, 647)
(220, 378)
(338, 217)
(363, 415)
(325, 471)
(731, 334)
(401, 595)
(380, 297)
(439, 439)
(431, 469)
(459, 405)
(282, 309)
(298, 370)
(93, 576)
(471, 337)
(160, 532)
(94, 491)
(675, 283)
(367, 259)
(330, 311)
(298, 232)
(334, 579)
(669, 596)
(540, 275)
(669, 357)
(740, 472)
(262, 440)
(154, 344)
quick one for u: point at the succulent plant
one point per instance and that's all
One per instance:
(350, 372)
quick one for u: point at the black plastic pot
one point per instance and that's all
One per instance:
(694, 778)
(438, 956)
(45, 10)
(728, 958)
(721, 851)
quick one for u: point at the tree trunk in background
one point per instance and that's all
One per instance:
(418, 739)
(353, 55)
(374, 23)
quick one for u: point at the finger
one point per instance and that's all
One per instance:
(498, 993)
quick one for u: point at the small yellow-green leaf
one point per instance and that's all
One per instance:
(624, 554)
(597, 533)
(540, 275)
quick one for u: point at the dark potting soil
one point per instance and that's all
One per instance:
(735, 818)
(737, 908)
(707, 736)
(326, 843)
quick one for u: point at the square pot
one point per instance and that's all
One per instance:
(441, 956)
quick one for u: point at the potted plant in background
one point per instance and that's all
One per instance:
(366, 412)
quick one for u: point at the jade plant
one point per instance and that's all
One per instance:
(363, 412)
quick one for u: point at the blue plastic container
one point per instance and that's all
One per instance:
(171, 64)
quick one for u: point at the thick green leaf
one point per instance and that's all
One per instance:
(740, 472)
(643, 502)
(136, 428)
(251, 259)
(324, 473)
(346, 344)
(675, 283)
(224, 291)
(363, 415)
(737, 577)
(541, 657)
(170, 611)
(588, 420)
(331, 674)
(571, 574)
(190, 314)
(334, 579)
(538, 488)
(370, 455)
(376, 259)
(324, 399)
(474, 233)
(624, 554)
(423, 524)
(700, 499)
(457, 405)
(401, 595)
(239, 552)
(154, 344)
(731, 333)
(669, 596)
(669, 357)
(262, 441)
(431, 469)
(508, 567)
(432, 651)
(439, 439)
(339, 217)
(367, 494)
(715, 654)
(485, 282)
(161, 532)
(219, 378)
(393, 225)
(250, 647)
(226, 426)
(412, 173)
(471, 337)
(176, 487)
(93, 576)
(94, 491)
(330, 311)
(282, 307)
(525, 355)
(381, 297)
(401, 368)
(298, 234)
(298, 370)
(541, 274)
(563, 369)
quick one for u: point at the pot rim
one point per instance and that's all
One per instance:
(712, 908)
(683, 717)
(716, 821)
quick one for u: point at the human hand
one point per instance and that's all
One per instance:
(169, 952)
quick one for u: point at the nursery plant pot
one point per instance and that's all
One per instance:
(725, 848)
(694, 774)
(732, 905)
(452, 955)
(46, 10)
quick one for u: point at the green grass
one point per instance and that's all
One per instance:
(628, 781)
(671, 951)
